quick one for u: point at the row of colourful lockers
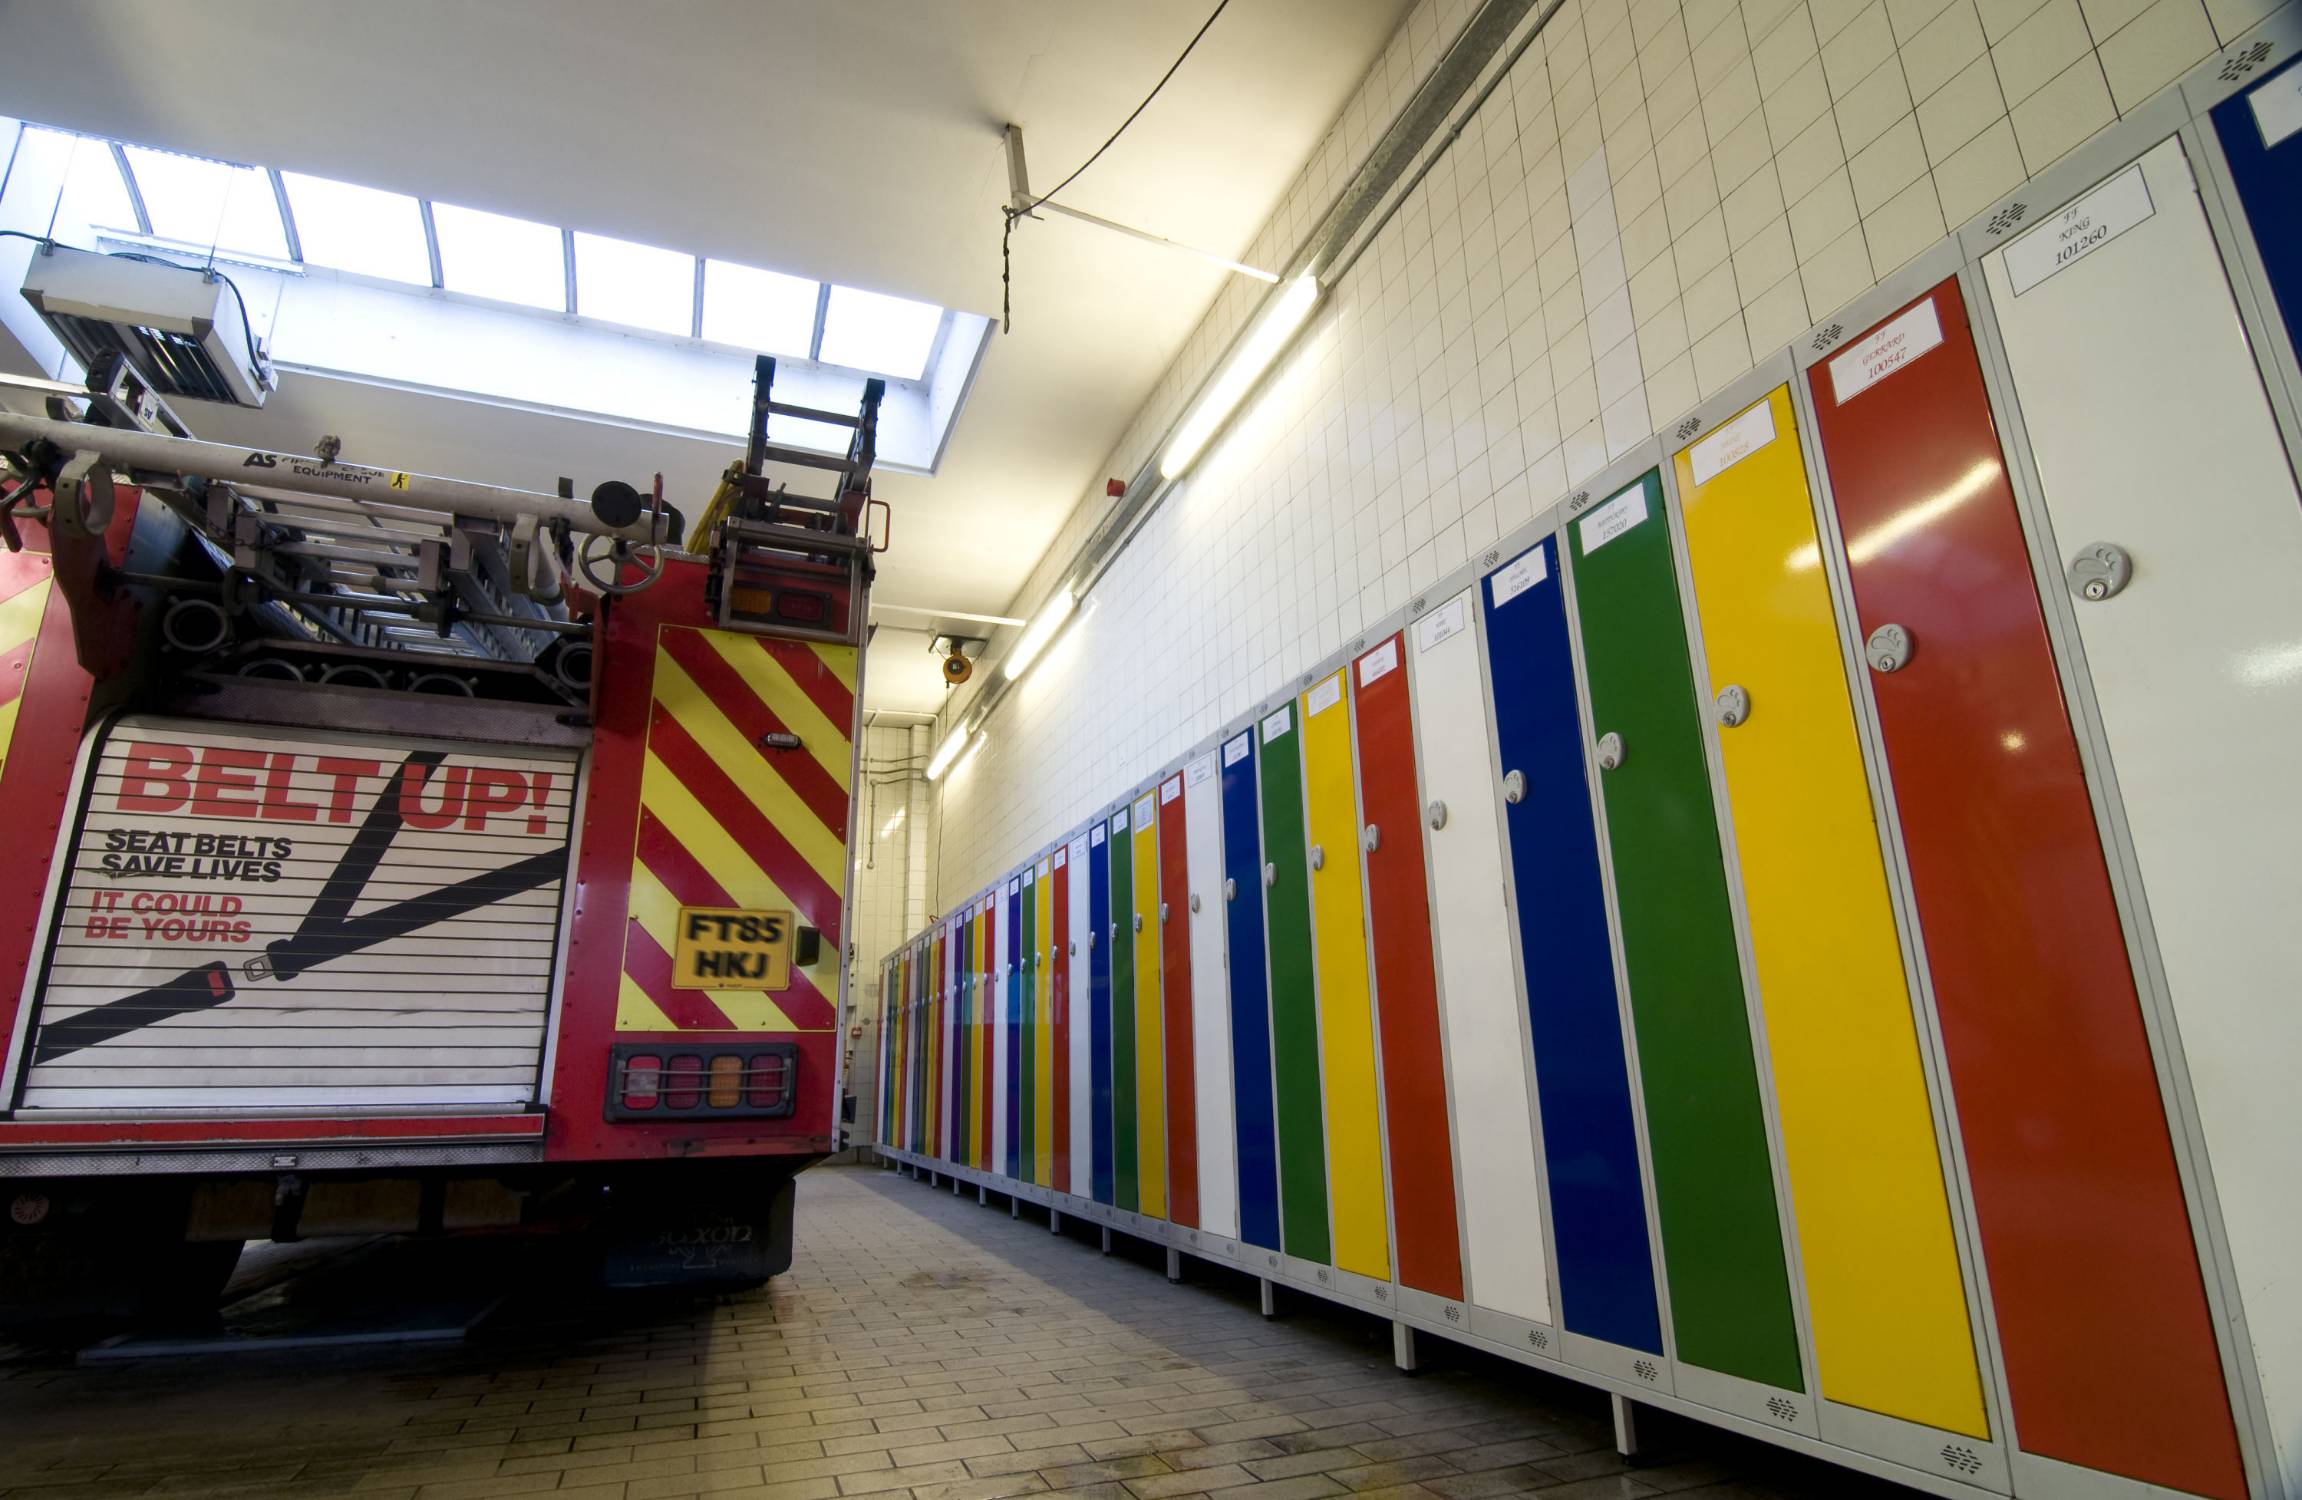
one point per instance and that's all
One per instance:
(1808, 926)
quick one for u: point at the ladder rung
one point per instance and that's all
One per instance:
(836, 462)
(811, 413)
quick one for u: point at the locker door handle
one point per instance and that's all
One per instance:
(1610, 750)
(1372, 839)
(1162, 913)
(1073, 949)
(2100, 571)
(1733, 705)
(1194, 900)
(1270, 876)
(1138, 921)
(1230, 889)
(1437, 813)
(1091, 940)
(1515, 787)
(1318, 856)
(1889, 648)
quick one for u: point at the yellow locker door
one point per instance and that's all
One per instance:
(1150, 1050)
(1043, 1033)
(1346, 1005)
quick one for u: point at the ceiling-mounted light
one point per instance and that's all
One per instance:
(948, 751)
(1247, 365)
(1040, 632)
(974, 747)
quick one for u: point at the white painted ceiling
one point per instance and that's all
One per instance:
(847, 140)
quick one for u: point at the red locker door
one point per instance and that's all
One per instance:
(1406, 989)
(1059, 1012)
(1175, 971)
(2084, 1230)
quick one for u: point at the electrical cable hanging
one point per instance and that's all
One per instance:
(1011, 213)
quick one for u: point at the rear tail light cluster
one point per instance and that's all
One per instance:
(652, 1082)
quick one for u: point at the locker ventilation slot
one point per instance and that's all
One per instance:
(1962, 1458)
(1689, 428)
(1781, 1410)
(2006, 218)
(1538, 1338)
(1645, 1369)
(2244, 63)
(1826, 337)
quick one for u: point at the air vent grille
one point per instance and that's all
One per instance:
(1782, 1410)
(1962, 1458)
(1645, 1370)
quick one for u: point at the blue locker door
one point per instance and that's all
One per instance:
(2261, 141)
(1250, 997)
(1582, 1080)
(1099, 1008)
(1013, 984)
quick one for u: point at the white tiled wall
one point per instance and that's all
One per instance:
(886, 859)
(1663, 192)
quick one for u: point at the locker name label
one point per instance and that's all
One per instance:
(1733, 443)
(1323, 697)
(1444, 623)
(1095, 834)
(1079, 849)
(1170, 789)
(1614, 518)
(1236, 751)
(729, 948)
(1897, 342)
(1043, 869)
(1379, 661)
(1276, 724)
(2079, 230)
(1515, 578)
(2277, 106)
(1143, 812)
(1201, 770)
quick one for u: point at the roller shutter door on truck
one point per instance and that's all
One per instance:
(261, 918)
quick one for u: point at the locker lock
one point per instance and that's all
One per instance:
(1515, 787)
(1270, 876)
(1230, 889)
(1073, 948)
(1091, 940)
(1610, 750)
(1194, 901)
(1162, 913)
(1318, 856)
(1436, 813)
(1733, 705)
(1888, 649)
(2100, 571)
(1138, 921)
(1372, 839)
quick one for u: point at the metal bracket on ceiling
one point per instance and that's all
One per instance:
(1023, 205)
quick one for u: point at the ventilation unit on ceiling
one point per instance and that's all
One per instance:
(185, 330)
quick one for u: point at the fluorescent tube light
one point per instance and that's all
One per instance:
(1040, 631)
(948, 751)
(1239, 376)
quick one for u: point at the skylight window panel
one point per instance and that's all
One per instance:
(209, 203)
(638, 286)
(364, 230)
(886, 335)
(507, 259)
(764, 311)
(94, 197)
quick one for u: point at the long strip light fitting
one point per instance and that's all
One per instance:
(1040, 631)
(948, 751)
(1247, 365)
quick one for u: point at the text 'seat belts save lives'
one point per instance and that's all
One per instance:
(327, 931)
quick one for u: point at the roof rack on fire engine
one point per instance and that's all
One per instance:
(317, 567)
(796, 564)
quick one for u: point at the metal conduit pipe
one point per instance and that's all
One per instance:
(287, 471)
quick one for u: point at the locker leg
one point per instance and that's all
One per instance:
(1014, 1207)
(1403, 1352)
(955, 1186)
(1054, 1221)
(1626, 1425)
(934, 1180)
(982, 1193)
(1106, 1239)
(1174, 1264)
(1270, 1296)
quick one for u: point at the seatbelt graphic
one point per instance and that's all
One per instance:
(328, 931)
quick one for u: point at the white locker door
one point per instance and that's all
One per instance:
(1082, 1030)
(1210, 999)
(2152, 433)
(1003, 958)
(1504, 1262)
(947, 1066)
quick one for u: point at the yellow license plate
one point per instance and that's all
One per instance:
(730, 948)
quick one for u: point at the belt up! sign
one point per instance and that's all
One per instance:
(727, 947)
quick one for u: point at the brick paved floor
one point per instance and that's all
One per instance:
(921, 1344)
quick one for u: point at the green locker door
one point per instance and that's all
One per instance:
(1294, 1001)
(1119, 933)
(1706, 1131)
